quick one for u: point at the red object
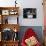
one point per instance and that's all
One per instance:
(29, 33)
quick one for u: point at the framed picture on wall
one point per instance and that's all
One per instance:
(29, 13)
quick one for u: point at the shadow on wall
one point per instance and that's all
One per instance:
(37, 29)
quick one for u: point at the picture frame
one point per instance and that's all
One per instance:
(29, 13)
(5, 12)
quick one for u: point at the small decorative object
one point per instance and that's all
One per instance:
(13, 12)
(5, 12)
(29, 13)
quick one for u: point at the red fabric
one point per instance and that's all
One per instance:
(28, 33)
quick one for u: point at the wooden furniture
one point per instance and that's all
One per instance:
(9, 23)
(10, 43)
(6, 12)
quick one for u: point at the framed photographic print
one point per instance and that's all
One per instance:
(5, 12)
(29, 13)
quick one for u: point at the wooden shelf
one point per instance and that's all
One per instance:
(9, 43)
(4, 13)
(11, 26)
(5, 8)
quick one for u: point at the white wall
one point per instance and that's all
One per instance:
(32, 4)
(27, 4)
(7, 3)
